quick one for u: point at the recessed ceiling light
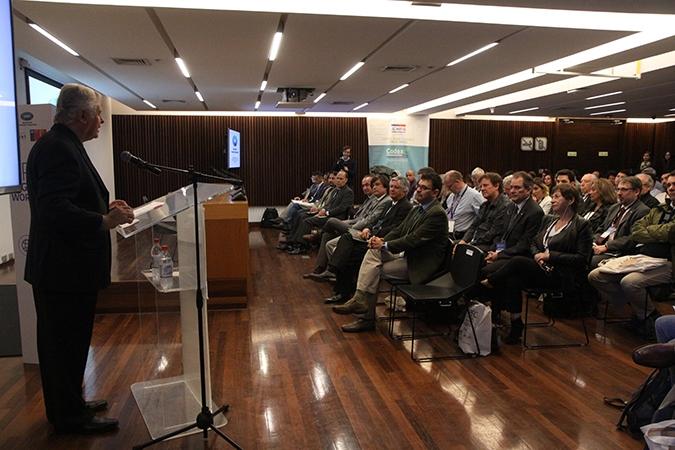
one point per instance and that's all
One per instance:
(606, 105)
(199, 96)
(49, 36)
(670, 115)
(263, 85)
(257, 105)
(403, 86)
(183, 68)
(362, 105)
(472, 54)
(607, 112)
(149, 104)
(673, 109)
(351, 71)
(276, 43)
(524, 110)
(572, 91)
(318, 99)
(604, 95)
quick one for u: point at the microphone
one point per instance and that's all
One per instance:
(135, 160)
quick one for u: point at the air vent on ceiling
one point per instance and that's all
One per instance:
(342, 103)
(169, 100)
(404, 68)
(132, 61)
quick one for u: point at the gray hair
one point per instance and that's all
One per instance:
(477, 172)
(646, 178)
(73, 100)
(403, 182)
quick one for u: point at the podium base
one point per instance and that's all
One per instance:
(170, 404)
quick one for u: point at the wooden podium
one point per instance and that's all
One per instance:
(227, 253)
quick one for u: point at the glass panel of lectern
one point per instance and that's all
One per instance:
(170, 396)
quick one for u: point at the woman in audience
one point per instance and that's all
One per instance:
(561, 251)
(603, 195)
(548, 180)
(540, 195)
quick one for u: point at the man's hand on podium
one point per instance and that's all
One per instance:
(118, 214)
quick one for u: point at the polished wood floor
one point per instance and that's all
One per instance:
(295, 381)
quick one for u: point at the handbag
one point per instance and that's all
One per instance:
(481, 316)
(630, 263)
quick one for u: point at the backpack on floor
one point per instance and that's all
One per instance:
(640, 409)
(268, 217)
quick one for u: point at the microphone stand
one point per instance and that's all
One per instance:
(204, 420)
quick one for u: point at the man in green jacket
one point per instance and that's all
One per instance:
(650, 234)
(415, 250)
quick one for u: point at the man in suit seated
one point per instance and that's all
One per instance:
(492, 215)
(312, 194)
(338, 203)
(415, 250)
(614, 240)
(346, 252)
(375, 187)
(525, 218)
(652, 236)
(645, 194)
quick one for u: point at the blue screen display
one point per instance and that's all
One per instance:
(233, 149)
(10, 178)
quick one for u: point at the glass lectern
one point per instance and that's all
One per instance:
(172, 398)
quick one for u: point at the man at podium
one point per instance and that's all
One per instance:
(68, 258)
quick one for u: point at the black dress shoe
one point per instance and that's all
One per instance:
(94, 425)
(657, 356)
(516, 332)
(359, 326)
(96, 405)
(326, 275)
(337, 298)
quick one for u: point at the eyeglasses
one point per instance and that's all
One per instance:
(421, 187)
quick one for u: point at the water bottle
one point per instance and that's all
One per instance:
(166, 269)
(156, 255)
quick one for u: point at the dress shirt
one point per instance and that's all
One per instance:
(463, 207)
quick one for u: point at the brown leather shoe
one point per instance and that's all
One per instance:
(657, 356)
(358, 326)
(312, 237)
(357, 305)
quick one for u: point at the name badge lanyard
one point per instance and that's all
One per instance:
(547, 235)
(455, 202)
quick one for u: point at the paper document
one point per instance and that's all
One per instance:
(303, 204)
(147, 208)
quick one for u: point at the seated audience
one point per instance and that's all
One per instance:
(346, 256)
(548, 179)
(611, 177)
(415, 250)
(602, 196)
(559, 257)
(312, 194)
(375, 189)
(651, 234)
(645, 194)
(476, 174)
(565, 176)
(658, 186)
(338, 203)
(540, 195)
(613, 236)
(585, 186)
(463, 204)
(492, 215)
(620, 175)
(412, 181)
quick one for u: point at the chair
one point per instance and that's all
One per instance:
(551, 295)
(445, 291)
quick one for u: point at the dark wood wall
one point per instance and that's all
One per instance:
(279, 153)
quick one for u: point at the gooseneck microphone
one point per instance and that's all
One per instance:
(127, 157)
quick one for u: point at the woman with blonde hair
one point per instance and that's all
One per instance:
(540, 195)
(603, 195)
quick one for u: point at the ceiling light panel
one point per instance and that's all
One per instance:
(183, 68)
(53, 38)
(607, 105)
(524, 110)
(532, 17)
(274, 47)
(609, 94)
(472, 54)
(352, 71)
(606, 113)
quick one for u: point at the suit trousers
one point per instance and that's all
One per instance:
(305, 223)
(619, 289)
(332, 229)
(378, 262)
(516, 274)
(345, 262)
(64, 326)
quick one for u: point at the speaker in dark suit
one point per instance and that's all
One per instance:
(68, 259)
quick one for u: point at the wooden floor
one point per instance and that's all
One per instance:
(295, 381)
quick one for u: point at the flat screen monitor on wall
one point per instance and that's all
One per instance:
(10, 173)
(233, 149)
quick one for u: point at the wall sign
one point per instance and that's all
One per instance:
(526, 144)
(540, 144)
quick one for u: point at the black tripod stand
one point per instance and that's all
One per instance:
(204, 420)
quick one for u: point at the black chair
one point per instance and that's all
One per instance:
(445, 291)
(549, 295)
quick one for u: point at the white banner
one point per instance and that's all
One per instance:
(399, 142)
(34, 121)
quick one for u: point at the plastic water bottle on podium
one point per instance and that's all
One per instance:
(166, 269)
(156, 255)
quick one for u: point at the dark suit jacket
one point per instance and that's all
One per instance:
(392, 218)
(570, 250)
(621, 243)
(520, 232)
(490, 223)
(597, 220)
(649, 200)
(340, 204)
(316, 192)
(424, 239)
(68, 251)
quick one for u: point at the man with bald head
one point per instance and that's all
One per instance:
(585, 185)
(463, 203)
(645, 193)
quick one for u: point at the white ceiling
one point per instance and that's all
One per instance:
(226, 53)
